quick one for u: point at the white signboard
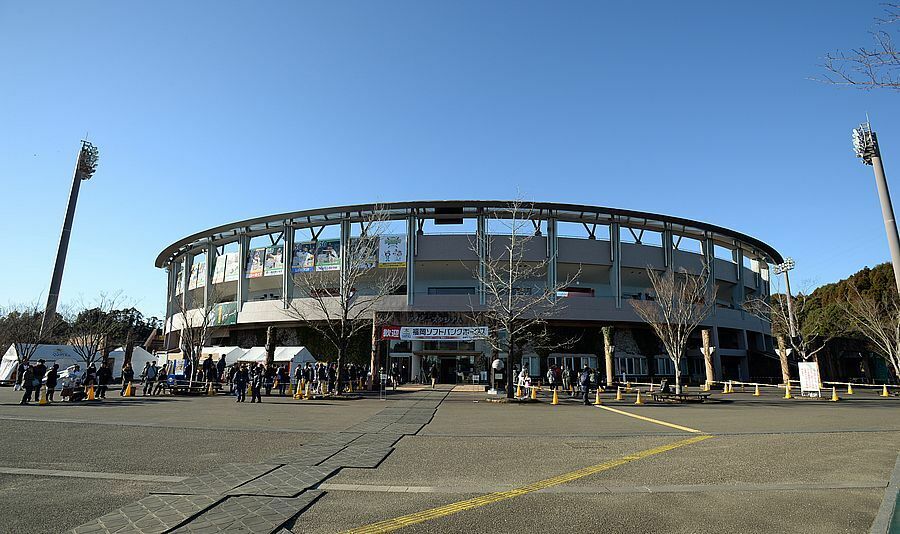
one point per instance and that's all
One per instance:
(442, 333)
(392, 251)
(809, 377)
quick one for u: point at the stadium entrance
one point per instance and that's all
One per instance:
(458, 367)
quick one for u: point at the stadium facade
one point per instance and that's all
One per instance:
(604, 252)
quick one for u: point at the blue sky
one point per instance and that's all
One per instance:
(211, 112)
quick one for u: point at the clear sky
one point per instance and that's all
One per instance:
(212, 112)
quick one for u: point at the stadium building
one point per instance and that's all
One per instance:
(604, 253)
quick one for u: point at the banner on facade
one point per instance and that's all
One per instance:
(232, 267)
(219, 270)
(443, 333)
(201, 274)
(224, 313)
(255, 262)
(304, 258)
(392, 251)
(363, 253)
(390, 332)
(809, 377)
(274, 261)
(328, 255)
(192, 280)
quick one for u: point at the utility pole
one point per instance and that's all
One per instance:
(865, 144)
(784, 268)
(85, 167)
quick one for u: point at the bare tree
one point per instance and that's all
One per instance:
(20, 327)
(878, 320)
(517, 296)
(811, 329)
(681, 301)
(92, 325)
(874, 67)
(197, 322)
(338, 305)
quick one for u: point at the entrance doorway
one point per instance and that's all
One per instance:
(448, 371)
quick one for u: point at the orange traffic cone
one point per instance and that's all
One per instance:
(90, 393)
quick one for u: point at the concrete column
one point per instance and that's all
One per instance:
(708, 350)
(482, 242)
(287, 279)
(208, 290)
(737, 255)
(186, 280)
(709, 256)
(716, 358)
(170, 296)
(345, 257)
(243, 285)
(668, 247)
(410, 260)
(615, 252)
(552, 253)
(608, 350)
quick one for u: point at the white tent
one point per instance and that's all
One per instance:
(232, 354)
(294, 355)
(63, 355)
(139, 357)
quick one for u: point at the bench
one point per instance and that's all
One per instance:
(660, 396)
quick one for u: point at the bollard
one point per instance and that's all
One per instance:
(638, 399)
(597, 398)
(884, 391)
(533, 392)
(619, 393)
(849, 388)
(834, 397)
(787, 391)
(756, 391)
(555, 398)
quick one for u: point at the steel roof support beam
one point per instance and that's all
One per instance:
(615, 253)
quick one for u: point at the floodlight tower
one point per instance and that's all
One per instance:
(865, 144)
(85, 167)
(783, 268)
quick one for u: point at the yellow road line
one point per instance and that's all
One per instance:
(652, 420)
(391, 525)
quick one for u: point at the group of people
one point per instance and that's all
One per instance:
(33, 377)
(578, 383)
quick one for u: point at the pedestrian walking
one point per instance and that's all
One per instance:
(584, 380)
(162, 378)
(127, 377)
(150, 377)
(52, 379)
(39, 371)
(434, 375)
(27, 382)
(256, 384)
(104, 377)
(239, 382)
(220, 368)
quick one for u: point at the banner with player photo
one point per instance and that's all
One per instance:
(328, 255)
(255, 262)
(304, 259)
(274, 261)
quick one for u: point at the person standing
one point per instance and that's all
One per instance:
(104, 377)
(584, 379)
(127, 377)
(27, 382)
(52, 379)
(220, 369)
(39, 371)
(257, 380)
(90, 375)
(162, 378)
(239, 382)
(284, 378)
(434, 375)
(566, 379)
(150, 377)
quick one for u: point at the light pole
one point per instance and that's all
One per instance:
(865, 144)
(784, 268)
(85, 167)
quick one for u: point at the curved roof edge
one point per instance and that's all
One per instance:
(411, 206)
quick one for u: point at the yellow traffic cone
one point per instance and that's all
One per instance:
(555, 398)
(849, 388)
(834, 397)
(756, 391)
(787, 391)
(884, 391)
(619, 393)
(638, 399)
(351, 387)
(90, 393)
(597, 399)
(518, 391)
(290, 389)
(43, 397)
(533, 392)
(127, 390)
(684, 389)
(210, 391)
(628, 386)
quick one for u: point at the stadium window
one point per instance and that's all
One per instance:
(451, 290)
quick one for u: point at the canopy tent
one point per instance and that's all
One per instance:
(139, 357)
(294, 355)
(63, 355)
(232, 354)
